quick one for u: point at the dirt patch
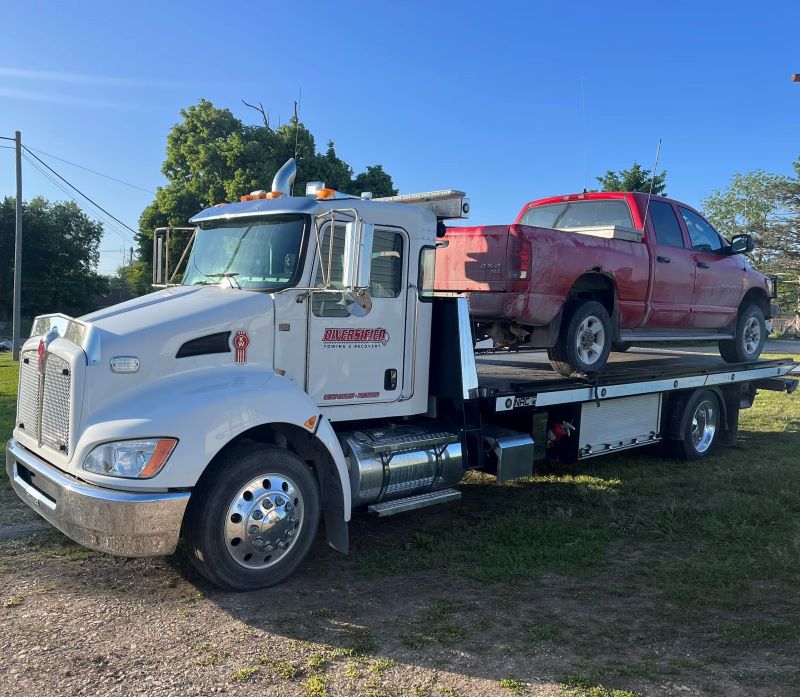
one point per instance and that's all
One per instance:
(76, 622)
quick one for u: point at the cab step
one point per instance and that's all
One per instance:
(410, 503)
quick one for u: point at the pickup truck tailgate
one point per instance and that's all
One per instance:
(474, 259)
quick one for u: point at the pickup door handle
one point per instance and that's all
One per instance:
(663, 260)
(702, 265)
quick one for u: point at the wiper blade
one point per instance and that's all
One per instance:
(230, 275)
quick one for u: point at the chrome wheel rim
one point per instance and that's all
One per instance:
(590, 340)
(704, 426)
(263, 521)
(751, 335)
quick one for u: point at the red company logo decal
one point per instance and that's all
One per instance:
(40, 355)
(355, 338)
(240, 342)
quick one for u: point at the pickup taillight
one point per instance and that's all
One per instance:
(520, 264)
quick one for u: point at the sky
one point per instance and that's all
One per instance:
(508, 101)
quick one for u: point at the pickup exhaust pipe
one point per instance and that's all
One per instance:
(284, 178)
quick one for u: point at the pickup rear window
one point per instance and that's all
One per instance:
(579, 214)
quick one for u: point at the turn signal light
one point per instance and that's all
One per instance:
(325, 193)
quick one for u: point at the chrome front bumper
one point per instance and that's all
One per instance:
(117, 522)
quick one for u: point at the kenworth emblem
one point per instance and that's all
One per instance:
(44, 343)
(240, 342)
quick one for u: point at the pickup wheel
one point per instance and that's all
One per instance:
(749, 337)
(700, 424)
(253, 519)
(585, 342)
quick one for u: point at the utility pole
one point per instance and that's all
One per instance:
(15, 332)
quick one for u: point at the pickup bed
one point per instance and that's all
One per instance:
(585, 274)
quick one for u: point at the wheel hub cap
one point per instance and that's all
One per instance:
(704, 426)
(263, 521)
(591, 339)
(752, 335)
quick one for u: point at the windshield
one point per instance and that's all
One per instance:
(256, 255)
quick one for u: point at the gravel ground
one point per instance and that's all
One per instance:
(79, 623)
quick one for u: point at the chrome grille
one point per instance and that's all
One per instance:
(55, 404)
(29, 386)
(43, 406)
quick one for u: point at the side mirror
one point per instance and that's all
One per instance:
(741, 244)
(357, 255)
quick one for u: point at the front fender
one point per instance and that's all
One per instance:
(205, 411)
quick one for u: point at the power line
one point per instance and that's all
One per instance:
(113, 228)
(108, 223)
(72, 186)
(87, 169)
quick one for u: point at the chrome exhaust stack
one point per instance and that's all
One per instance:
(284, 178)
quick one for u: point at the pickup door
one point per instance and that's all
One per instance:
(718, 275)
(673, 269)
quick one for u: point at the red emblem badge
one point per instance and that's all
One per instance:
(40, 354)
(240, 342)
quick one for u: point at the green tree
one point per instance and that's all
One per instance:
(60, 251)
(634, 179)
(214, 157)
(768, 207)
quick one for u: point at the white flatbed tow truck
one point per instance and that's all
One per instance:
(306, 367)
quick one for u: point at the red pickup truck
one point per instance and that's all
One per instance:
(583, 274)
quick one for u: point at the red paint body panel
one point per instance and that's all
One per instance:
(692, 290)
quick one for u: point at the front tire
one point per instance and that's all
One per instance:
(251, 522)
(749, 336)
(585, 342)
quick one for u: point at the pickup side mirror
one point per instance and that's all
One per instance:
(357, 255)
(741, 244)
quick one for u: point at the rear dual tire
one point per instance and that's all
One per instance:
(700, 422)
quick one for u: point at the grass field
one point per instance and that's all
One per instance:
(629, 574)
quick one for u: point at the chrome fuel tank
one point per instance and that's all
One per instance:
(399, 461)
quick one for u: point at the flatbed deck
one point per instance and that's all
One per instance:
(528, 379)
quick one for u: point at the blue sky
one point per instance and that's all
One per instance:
(508, 101)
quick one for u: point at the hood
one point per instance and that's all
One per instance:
(154, 327)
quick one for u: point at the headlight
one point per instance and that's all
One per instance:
(130, 458)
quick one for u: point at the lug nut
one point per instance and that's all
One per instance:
(279, 501)
(289, 533)
(281, 544)
(254, 529)
(257, 514)
(258, 542)
(267, 504)
(269, 547)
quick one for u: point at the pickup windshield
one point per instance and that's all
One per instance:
(255, 254)
(579, 214)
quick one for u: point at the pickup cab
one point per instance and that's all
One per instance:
(584, 274)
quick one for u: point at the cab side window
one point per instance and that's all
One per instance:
(666, 225)
(386, 270)
(704, 238)
(331, 257)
